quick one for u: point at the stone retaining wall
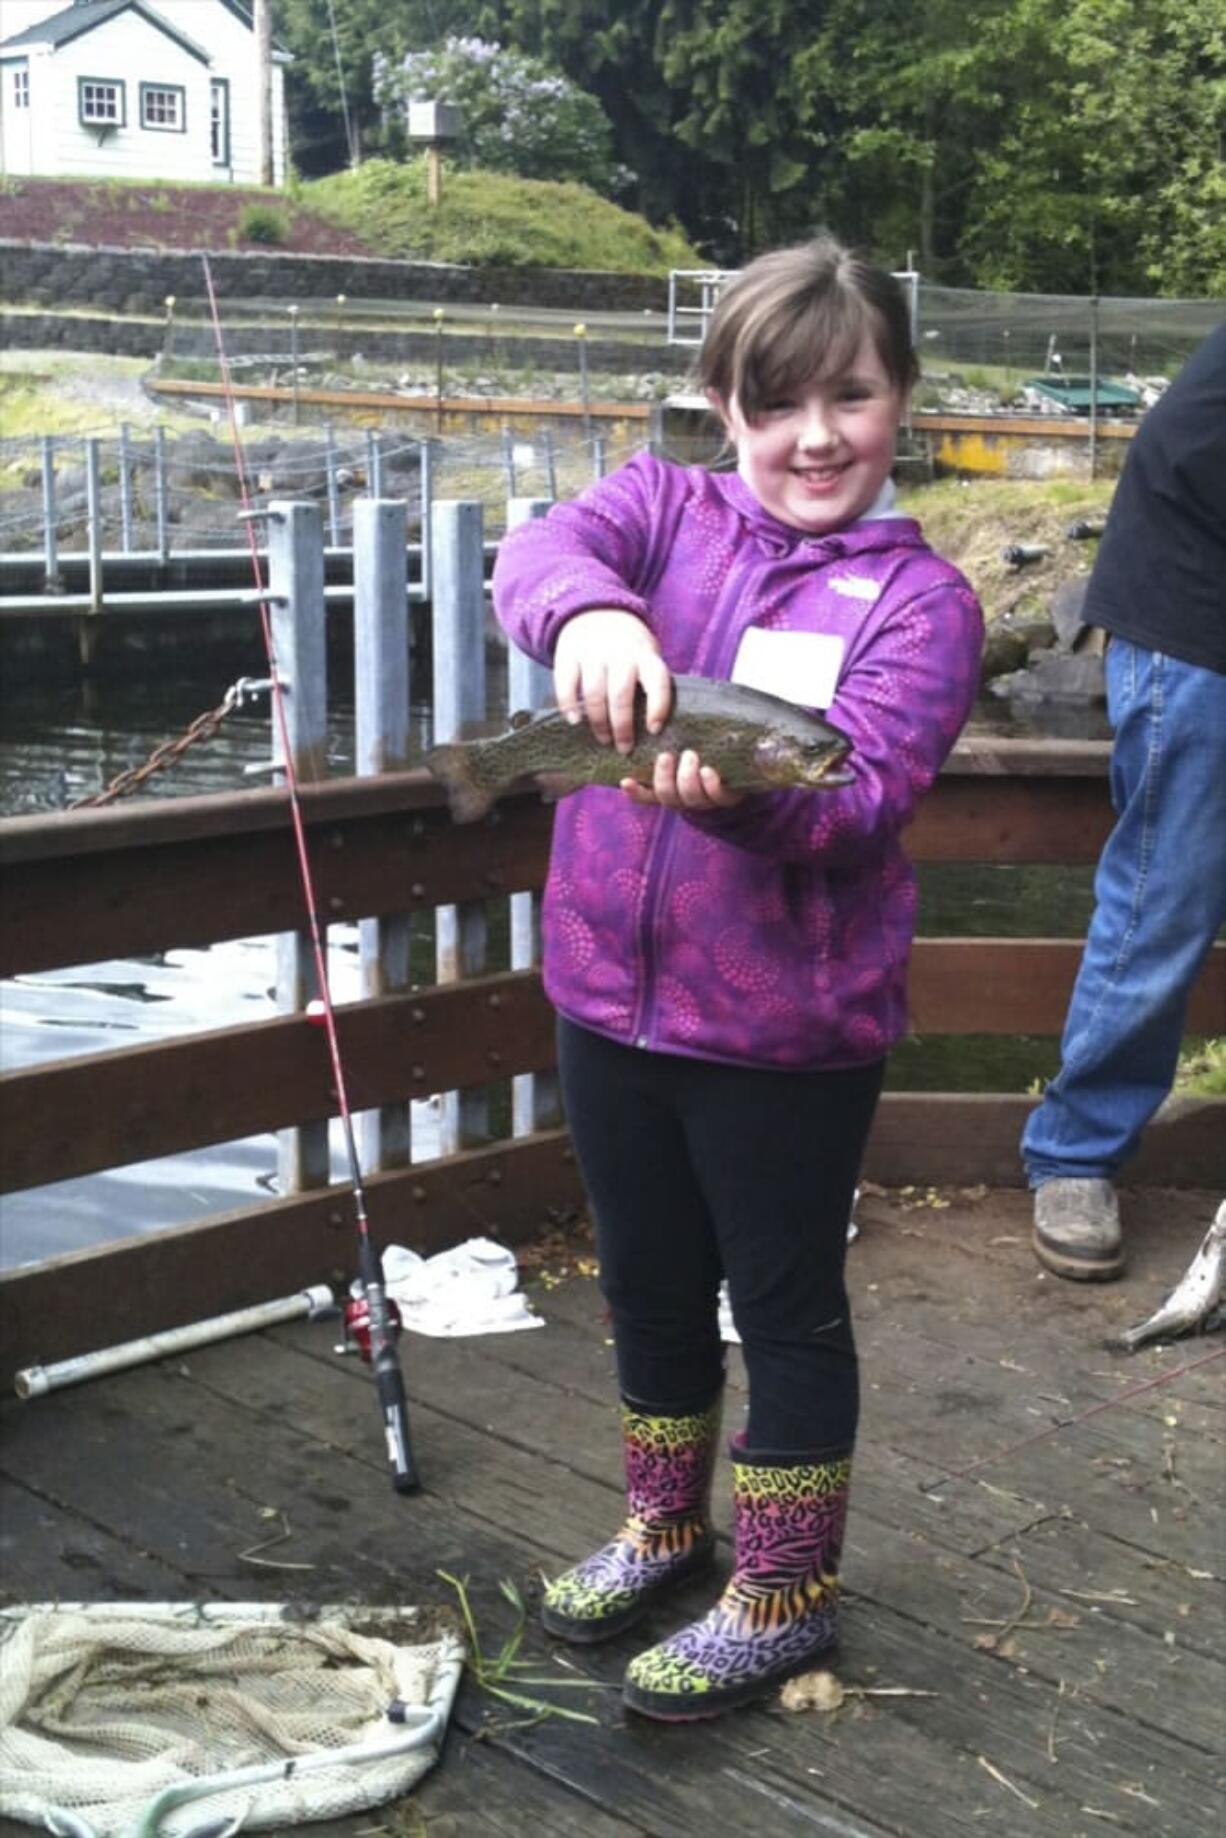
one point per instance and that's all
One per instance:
(138, 280)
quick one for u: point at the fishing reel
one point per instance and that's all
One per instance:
(356, 1317)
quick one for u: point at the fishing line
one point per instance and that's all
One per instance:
(1068, 1423)
(389, 1381)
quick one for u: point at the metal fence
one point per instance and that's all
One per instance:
(150, 495)
(1052, 334)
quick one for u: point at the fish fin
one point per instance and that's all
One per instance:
(553, 785)
(452, 766)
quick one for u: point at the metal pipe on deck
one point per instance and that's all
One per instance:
(37, 1381)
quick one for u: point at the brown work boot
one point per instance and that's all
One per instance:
(1077, 1229)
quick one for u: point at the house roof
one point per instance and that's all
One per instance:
(85, 15)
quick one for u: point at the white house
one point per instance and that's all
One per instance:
(135, 89)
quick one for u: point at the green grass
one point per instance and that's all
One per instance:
(493, 220)
(1202, 1072)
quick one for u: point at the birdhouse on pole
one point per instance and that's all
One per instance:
(434, 125)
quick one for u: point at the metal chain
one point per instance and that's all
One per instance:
(204, 727)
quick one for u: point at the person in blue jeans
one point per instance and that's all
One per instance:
(1158, 588)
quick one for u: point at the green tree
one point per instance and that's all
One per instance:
(520, 115)
(1108, 173)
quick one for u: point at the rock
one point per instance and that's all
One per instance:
(1066, 605)
(1054, 676)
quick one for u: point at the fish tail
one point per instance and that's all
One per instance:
(453, 767)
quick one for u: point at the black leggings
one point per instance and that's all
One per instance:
(697, 1171)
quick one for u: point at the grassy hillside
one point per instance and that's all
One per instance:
(492, 220)
(972, 520)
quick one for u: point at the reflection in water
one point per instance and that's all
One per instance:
(56, 745)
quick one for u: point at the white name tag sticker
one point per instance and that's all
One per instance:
(801, 667)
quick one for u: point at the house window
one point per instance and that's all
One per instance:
(102, 103)
(162, 106)
(21, 89)
(219, 120)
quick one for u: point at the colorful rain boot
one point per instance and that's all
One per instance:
(779, 1612)
(667, 1535)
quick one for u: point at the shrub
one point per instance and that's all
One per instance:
(261, 223)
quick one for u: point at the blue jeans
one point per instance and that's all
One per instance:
(1160, 894)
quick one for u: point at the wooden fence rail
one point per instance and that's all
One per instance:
(121, 882)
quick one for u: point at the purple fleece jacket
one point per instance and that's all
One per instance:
(777, 933)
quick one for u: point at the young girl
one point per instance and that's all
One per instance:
(729, 970)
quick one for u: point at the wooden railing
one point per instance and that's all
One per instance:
(124, 881)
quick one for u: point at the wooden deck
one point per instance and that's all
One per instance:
(1035, 1549)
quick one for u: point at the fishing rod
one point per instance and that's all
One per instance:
(389, 1380)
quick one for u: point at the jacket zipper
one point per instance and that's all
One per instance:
(663, 843)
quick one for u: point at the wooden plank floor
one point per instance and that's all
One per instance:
(1035, 1548)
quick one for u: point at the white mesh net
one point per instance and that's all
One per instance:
(104, 1708)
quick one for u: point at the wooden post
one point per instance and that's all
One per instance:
(51, 560)
(296, 575)
(263, 54)
(434, 174)
(381, 705)
(534, 1096)
(458, 619)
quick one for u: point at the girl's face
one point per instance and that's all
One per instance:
(818, 459)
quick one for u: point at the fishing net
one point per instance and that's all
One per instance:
(189, 1715)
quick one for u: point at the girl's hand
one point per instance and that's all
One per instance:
(599, 662)
(683, 784)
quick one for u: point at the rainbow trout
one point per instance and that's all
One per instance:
(755, 741)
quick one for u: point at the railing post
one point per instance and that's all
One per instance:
(51, 560)
(425, 499)
(551, 470)
(381, 707)
(374, 465)
(87, 630)
(534, 1096)
(508, 460)
(334, 516)
(458, 622)
(125, 490)
(296, 582)
(161, 504)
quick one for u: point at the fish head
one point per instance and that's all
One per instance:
(815, 761)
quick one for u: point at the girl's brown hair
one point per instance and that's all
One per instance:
(799, 314)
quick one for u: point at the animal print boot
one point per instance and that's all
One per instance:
(667, 1534)
(778, 1612)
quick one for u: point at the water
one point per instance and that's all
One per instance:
(58, 743)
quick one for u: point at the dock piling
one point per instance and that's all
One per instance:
(458, 606)
(381, 709)
(297, 614)
(534, 1095)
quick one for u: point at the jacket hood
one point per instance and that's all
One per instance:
(776, 538)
